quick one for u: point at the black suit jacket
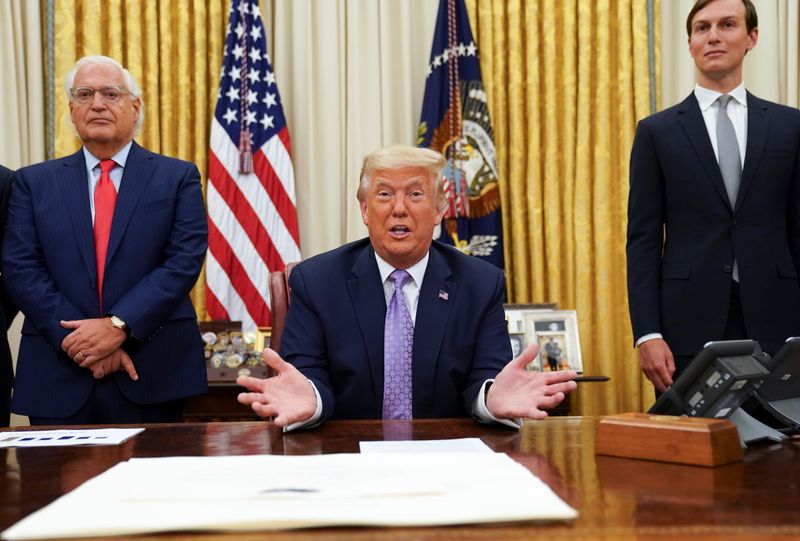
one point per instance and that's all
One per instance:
(7, 309)
(335, 326)
(683, 234)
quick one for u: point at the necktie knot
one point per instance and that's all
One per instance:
(400, 278)
(106, 166)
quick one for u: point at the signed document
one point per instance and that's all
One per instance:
(264, 492)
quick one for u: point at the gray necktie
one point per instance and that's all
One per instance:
(730, 163)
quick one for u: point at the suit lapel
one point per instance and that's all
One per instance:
(366, 294)
(139, 167)
(74, 186)
(691, 119)
(436, 298)
(757, 127)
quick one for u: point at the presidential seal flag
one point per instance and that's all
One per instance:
(455, 121)
(252, 216)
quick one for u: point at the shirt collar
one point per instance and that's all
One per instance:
(417, 270)
(120, 158)
(706, 97)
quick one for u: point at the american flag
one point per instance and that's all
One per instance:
(252, 216)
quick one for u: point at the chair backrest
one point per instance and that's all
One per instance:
(280, 297)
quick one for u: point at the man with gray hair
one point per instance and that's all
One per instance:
(396, 326)
(101, 250)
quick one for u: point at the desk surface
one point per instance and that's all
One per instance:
(617, 498)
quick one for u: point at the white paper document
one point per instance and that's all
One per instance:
(62, 438)
(459, 445)
(265, 492)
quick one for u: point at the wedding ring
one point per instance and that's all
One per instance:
(79, 356)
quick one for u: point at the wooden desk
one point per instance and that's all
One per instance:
(220, 404)
(616, 498)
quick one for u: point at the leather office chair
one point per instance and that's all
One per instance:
(279, 298)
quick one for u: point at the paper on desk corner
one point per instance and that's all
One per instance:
(67, 437)
(223, 494)
(457, 445)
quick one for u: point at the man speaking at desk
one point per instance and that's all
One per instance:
(101, 250)
(397, 326)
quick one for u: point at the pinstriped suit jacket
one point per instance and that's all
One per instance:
(156, 249)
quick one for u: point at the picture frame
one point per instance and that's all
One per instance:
(515, 314)
(556, 333)
(518, 344)
(263, 335)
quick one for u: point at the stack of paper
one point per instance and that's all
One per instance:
(278, 492)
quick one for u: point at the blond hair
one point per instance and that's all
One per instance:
(399, 156)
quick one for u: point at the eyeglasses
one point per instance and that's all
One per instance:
(110, 94)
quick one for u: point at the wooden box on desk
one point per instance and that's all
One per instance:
(667, 438)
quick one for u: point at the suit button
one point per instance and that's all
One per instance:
(727, 268)
(735, 224)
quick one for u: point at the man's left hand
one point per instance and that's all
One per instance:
(91, 339)
(517, 392)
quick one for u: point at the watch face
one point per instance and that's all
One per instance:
(118, 323)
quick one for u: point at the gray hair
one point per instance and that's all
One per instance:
(130, 82)
(399, 156)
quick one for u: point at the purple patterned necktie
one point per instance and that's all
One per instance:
(398, 341)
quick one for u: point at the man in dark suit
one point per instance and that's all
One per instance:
(714, 207)
(7, 310)
(101, 250)
(395, 326)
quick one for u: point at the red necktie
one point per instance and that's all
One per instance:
(105, 198)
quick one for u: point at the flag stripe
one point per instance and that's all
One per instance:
(231, 307)
(259, 196)
(238, 244)
(246, 290)
(240, 209)
(213, 304)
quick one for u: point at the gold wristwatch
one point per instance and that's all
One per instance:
(121, 325)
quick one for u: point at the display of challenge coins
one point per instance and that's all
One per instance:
(231, 353)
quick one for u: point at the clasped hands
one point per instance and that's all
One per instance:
(95, 344)
(516, 392)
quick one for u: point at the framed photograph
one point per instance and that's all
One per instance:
(515, 314)
(556, 332)
(263, 335)
(519, 343)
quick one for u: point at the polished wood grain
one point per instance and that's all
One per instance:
(617, 498)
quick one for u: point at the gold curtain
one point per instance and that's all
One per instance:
(567, 80)
(174, 51)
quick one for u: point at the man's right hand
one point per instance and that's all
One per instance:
(118, 360)
(657, 363)
(288, 396)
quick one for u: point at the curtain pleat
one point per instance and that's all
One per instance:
(567, 81)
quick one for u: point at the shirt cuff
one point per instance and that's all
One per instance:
(482, 413)
(646, 337)
(314, 420)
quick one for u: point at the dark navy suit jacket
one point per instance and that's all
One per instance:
(683, 234)
(156, 248)
(7, 310)
(335, 326)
